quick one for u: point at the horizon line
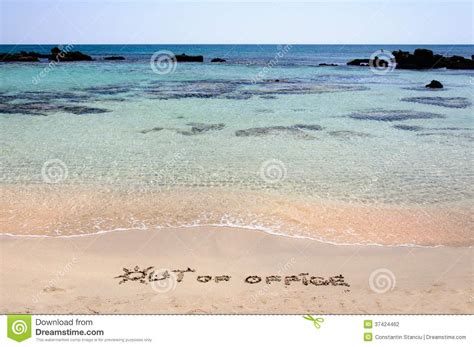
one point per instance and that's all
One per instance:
(248, 44)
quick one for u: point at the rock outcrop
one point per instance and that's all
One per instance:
(359, 62)
(425, 59)
(183, 58)
(56, 54)
(421, 59)
(434, 84)
(66, 56)
(18, 57)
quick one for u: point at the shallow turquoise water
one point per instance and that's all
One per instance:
(350, 159)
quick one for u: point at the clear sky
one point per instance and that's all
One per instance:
(167, 21)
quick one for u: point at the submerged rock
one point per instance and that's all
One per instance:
(295, 130)
(449, 102)
(314, 127)
(200, 128)
(146, 131)
(347, 134)
(44, 108)
(115, 57)
(393, 115)
(469, 137)
(264, 110)
(434, 84)
(218, 60)
(82, 110)
(408, 127)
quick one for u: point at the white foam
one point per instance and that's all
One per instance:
(253, 227)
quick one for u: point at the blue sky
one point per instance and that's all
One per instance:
(319, 22)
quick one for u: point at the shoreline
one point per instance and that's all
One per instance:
(78, 275)
(228, 226)
(61, 211)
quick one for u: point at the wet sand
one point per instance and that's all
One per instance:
(74, 209)
(76, 274)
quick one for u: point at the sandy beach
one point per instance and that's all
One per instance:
(230, 184)
(77, 275)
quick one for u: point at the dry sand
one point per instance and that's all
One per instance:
(76, 274)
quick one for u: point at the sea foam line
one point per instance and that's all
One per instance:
(259, 228)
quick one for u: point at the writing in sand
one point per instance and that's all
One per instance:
(149, 274)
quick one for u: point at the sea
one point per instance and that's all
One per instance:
(269, 140)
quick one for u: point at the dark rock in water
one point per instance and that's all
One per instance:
(183, 58)
(379, 63)
(108, 89)
(393, 115)
(420, 59)
(56, 54)
(43, 108)
(66, 56)
(115, 57)
(200, 128)
(434, 84)
(408, 127)
(52, 96)
(82, 110)
(6, 97)
(459, 63)
(425, 59)
(314, 127)
(273, 130)
(269, 97)
(18, 57)
(264, 110)
(6, 108)
(468, 137)
(348, 134)
(237, 96)
(218, 60)
(328, 64)
(359, 62)
(295, 130)
(146, 131)
(451, 128)
(453, 102)
(375, 62)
